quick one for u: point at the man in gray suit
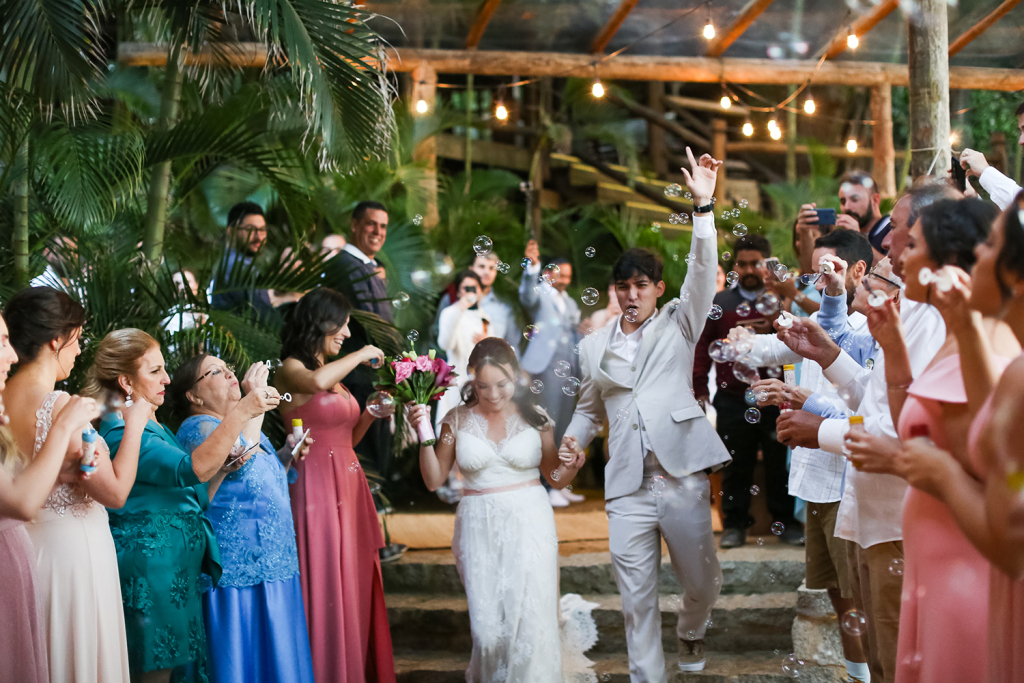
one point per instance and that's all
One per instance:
(638, 371)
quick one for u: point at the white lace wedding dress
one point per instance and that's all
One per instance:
(506, 551)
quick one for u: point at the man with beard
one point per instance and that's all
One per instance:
(742, 438)
(860, 204)
(247, 234)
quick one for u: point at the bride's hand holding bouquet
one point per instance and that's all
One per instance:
(418, 380)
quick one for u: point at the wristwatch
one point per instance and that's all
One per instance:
(704, 209)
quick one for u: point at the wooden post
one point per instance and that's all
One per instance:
(424, 87)
(718, 141)
(469, 132)
(884, 171)
(791, 141)
(928, 63)
(656, 134)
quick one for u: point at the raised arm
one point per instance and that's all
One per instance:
(528, 296)
(296, 378)
(112, 481)
(435, 461)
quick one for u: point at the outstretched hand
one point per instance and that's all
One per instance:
(954, 302)
(701, 177)
(810, 340)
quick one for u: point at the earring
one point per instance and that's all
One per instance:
(128, 402)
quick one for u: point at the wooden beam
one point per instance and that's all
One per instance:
(705, 105)
(862, 26)
(646, 68)
(656, 196)
(240, 55)
(612, 27)
(982, 26)
(723, 40)
(718, 142)
(424, 87)
(656, 149)
(768, 147)
(659, 120)
(928, 65)
(483, 17)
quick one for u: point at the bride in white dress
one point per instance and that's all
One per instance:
(505, 545)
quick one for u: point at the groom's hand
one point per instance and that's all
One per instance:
(570, 453)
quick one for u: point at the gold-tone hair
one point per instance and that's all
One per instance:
(118, 354)
(11, 457)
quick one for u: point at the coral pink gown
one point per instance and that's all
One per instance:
(338, 538)
(943, 634)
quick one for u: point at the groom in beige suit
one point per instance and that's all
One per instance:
(637, 373)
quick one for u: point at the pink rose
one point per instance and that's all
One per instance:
(404, 370)
(423, 364)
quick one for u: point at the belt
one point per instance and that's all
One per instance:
(501, 489)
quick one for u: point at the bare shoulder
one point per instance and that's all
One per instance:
(1004, 342)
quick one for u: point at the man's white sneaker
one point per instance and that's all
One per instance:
(691, 655)
(572, 497)
(557, 499)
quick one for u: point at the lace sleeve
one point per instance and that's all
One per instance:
(195, 430)
(454, 418)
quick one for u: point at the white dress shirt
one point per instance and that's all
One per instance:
(355, 251)
(1000, 189)
(871, 510)
(618, 362)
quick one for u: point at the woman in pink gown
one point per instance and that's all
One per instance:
(336, 528)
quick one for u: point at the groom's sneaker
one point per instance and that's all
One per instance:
(691, 655)
(733, 538)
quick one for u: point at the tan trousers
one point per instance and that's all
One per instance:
(877, 591)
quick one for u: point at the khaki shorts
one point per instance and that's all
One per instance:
(827, 563)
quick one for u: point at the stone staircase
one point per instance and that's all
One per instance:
(762, 616)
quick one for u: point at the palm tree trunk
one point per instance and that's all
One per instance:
(19, 241)
(160, 180)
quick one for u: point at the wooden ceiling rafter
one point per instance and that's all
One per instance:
(609, 30)
(721, 42)
(973, 32)
(483, 17)
(862, 26)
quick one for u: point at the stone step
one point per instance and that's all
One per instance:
(739, 623)
(771, 568)
(745, 667)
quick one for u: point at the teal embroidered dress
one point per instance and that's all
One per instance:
(164, 543)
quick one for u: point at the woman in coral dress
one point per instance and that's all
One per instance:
(337, 532)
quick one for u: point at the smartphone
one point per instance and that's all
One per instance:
(959, 175)
(471, 288)
(770, 263)
(244, 453)
(826, 216)
(298, 446)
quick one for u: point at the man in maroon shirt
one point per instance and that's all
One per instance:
(742, 438)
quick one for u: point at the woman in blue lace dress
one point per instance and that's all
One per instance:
(255, 621)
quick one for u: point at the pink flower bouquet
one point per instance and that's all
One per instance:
(416, 379)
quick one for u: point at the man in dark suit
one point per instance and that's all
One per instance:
(247, 235)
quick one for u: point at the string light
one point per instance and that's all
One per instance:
(809, 106)
(748, 129)
(597, 90)
(954, 139)
(775, 133)
(500, 112)
(421, 107)
(851, 145)
(725, 102)
(709, 28)
(773, 124)
(852, 41)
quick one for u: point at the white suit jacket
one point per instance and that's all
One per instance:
(660, 390)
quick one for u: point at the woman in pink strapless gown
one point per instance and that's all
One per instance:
(336, 528)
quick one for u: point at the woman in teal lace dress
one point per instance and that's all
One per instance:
(163, 541)
(255, 619)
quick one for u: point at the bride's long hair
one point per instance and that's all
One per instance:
(497, 353)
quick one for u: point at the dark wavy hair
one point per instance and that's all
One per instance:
(1011, 256)
(467, 275)
(497, 353)
(321, 312)
(185, 377)
(953, 227)
(38, 315)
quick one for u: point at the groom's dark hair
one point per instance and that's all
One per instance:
(635, 262)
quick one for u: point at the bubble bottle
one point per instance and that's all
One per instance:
(789, 377)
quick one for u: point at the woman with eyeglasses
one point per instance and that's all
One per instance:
(163, 540)
(255, 620)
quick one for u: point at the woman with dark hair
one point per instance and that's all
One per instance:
(505, 545)
(337, 532)
(163, 541)
(944, 612)
(25, 484)
(76, 562)
(255, 623)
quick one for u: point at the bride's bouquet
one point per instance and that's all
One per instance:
(416, 379)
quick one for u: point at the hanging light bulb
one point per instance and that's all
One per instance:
(772, 124)
(851, 145)
(748, 129)
(809, 106)
(500, 112)
(725, 102)
(775, 133)
(852, 41)
(709, 29)
(421, 107)
(954, 139)
(597, 90)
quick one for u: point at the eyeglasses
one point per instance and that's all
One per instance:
(215, 372)
(885, 279)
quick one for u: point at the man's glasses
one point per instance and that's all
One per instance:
(215, 372)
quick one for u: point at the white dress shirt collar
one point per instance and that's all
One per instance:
(355, 251)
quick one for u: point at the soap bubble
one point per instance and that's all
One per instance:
(688, 197)
(854, 623)
(417, 220)
(809, 278)
(400, 301)
(482, 244)
(744, 203)
(792, 666)
(716, 312)
(525, 263)
(722, 351)
(750, 397)
(673, 190)
(555, 475)
(767, 304)
(590, 251)
(590, 296)
(562, 369)
(773, 371)
(448, 438)
(380, 404)
(503, 267)
(655, 227)
(782, 272)
(778, 528)
(896, 567)
(753, 415)
(762, 396)
(726, 256)
(731, 278)
(657, 485)
(746, 372)
(631, 315)
(690, 259)
(413, 336)
(571, 386)
(754, 490)
(530, 332)
(739, 230)
(622, 414)
(876, 299)
(743, 310)
(537, 386)
(550, 273)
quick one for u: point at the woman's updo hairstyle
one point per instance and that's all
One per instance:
(185, 377)
(953, 227)
(1011, 256)
(467, 275)
(38, 315)
(319, 313)
(118, 354)
(497, 353)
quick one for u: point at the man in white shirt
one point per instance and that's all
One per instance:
(1001, 190)
(500, 315)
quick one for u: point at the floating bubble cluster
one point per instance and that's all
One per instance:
(690, 258)
(503, 267)
(792, 666)
(673, 190)
(679, 218)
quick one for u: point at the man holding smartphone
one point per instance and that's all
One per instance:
(860, 204)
